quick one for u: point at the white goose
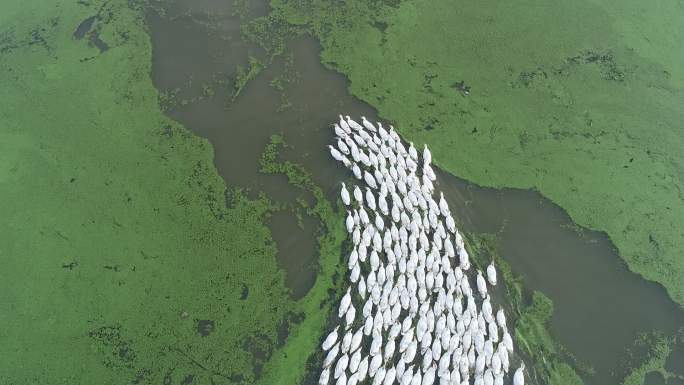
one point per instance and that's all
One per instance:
(345, 195)
(491, 274)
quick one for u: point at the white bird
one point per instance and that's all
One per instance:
(330, 339)
(361, 286)
(376, 344)
(429, 377)
(332, 354)
(341, 365)
(325, 375)
(354, 361)
(390, 376)
(491, 274)
(519, 376)
(412, 152)
(344, 304)
(370, 180)
(389, 350)
(507, 341)
(351, 314)
(358, 195)
(427, 156)
(363, 369)
(353, 124)
(343, 147)
(342, 380)
(374, 365)
(481, 284)
(346, 342)
(417, 378)
(379, 376)
(345, 195)
(339, 131)
(410, 352)
(336, 154)
(353, 379)
(344, 125)
(488, 378)
(501, 318)
(368, 124)
(450, 224)
(370, 199)
(350, 222)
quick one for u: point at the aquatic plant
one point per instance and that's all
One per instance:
(121, 244)
(289, 364)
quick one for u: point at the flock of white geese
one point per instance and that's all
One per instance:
(410, 316)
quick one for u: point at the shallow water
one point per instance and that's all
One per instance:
(600, 306)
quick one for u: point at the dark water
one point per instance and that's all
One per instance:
(600, 306)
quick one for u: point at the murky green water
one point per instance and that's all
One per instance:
(600, 307)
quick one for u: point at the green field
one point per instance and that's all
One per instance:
(580, 100)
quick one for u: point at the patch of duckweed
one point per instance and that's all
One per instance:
(121, 245)
(658, 348)
(244, 75)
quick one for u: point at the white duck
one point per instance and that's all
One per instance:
(341, 366)
(368, 124)
(491, 274)
(481, 284)
(345, 195)
(519, 376)
(330, 339)
(427, 155)
(344, 304)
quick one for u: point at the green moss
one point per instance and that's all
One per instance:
(120, 243)
(579, 100)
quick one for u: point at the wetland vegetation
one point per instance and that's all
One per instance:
(144, 249)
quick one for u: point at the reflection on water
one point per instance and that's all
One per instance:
(600, 306)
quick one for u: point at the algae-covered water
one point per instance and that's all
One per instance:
(156, 231)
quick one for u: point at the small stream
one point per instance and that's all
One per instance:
(600, 306)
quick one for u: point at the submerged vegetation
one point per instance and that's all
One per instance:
(659, 348)
(547, 360)
(243, 75)
(587, 111)
(289, 365)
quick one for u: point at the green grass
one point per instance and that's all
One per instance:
(580, 100)
(118, 238)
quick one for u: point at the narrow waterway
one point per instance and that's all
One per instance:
(600, 307)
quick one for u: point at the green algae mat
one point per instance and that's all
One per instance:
(125, 258)
(580, 100)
